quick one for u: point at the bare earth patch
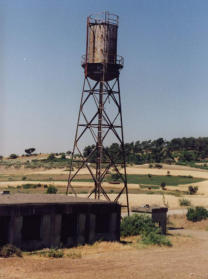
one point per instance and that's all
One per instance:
(186, 259)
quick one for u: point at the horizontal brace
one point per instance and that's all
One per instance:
(98, 92)
(96, 126)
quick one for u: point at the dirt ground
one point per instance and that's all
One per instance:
(186, 259)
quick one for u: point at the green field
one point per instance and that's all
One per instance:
(132, 179)
(157, 179)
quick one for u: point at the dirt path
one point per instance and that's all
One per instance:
(185, 261)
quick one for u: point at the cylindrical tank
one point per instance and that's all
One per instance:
(102, 46)
(101, 60)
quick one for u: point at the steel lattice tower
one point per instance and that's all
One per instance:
(100, 114)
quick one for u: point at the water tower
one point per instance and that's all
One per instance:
(100, 114)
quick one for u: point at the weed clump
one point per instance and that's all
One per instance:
(197, 214)
(184, 202)
(155, 239)
(74, 255)
(10, 250)
(55, 253)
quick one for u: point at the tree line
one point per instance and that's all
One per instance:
(160, 151)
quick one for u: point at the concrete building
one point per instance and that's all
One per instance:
(31, 221)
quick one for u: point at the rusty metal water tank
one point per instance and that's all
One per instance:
(101, 61)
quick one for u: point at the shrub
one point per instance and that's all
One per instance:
(184, 202)
(163, 184)
(150, 166)
(155, 239)
(51, 157)
(197, 214)
(55, 253)
(63, 156)
(13, 156)
(9, 250)
(159, 166)
(29, 186)
(143, 225)
(51, 189)
(192, 190)
(24, 177)
(136, 224)
(115, 176)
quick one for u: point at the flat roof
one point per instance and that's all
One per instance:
(13, 199)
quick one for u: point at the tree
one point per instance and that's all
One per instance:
(51, 190)
(13, 156)
(29, 151)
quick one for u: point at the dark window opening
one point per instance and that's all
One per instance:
(4, 229)
(68, 227)
(102, 222)
(31, 228)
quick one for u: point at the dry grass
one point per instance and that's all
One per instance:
(180, 221)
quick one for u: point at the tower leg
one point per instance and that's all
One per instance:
(101, 125)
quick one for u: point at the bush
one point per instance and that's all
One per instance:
(162, 185)
(136, 224)
(155, 239)
(63, 156)
(51, 157)
(9, 250)
(115, 176)
(184, 202)
(55, 253)
(29, 186)
(197, 214)
(13, 156)
(51, 189)
(143, 225)
(192, 190)
(24, 177)
(159, 166)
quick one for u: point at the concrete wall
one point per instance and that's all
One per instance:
(60, 225)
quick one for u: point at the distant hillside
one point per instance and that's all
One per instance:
(178, 150)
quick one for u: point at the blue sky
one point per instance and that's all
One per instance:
(164, 82)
